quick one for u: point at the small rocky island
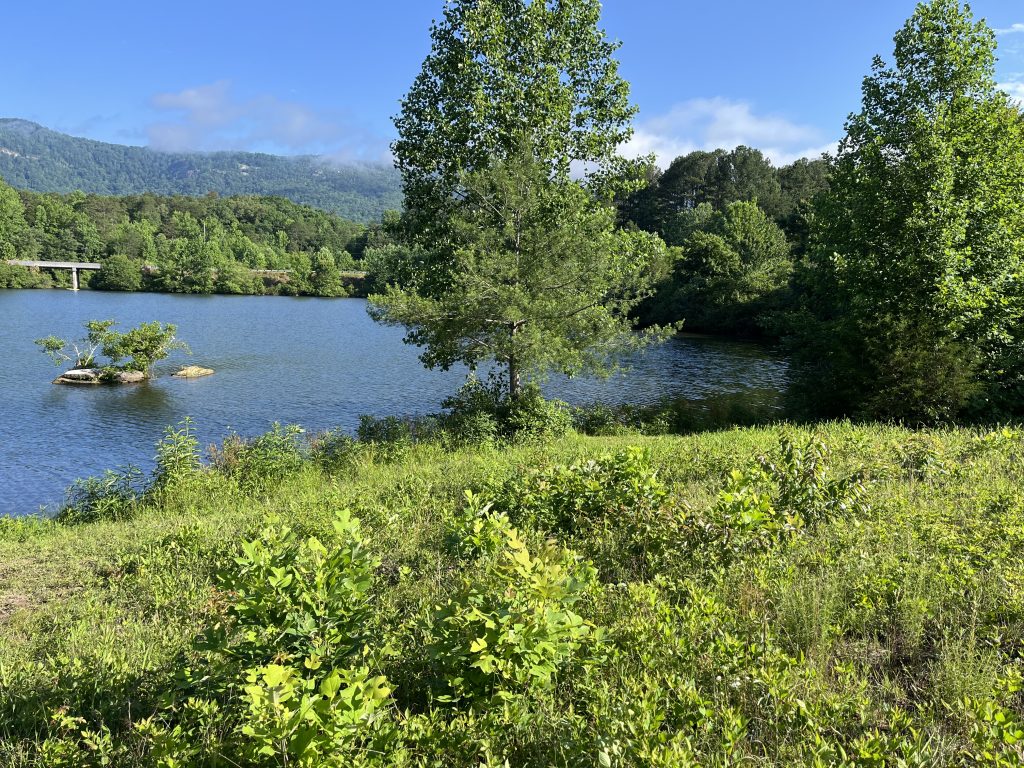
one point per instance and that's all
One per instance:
(130, 355)
(108, 376)
(99, 376)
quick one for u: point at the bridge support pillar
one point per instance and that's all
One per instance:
(74, 279)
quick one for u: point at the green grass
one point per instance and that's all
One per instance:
(753, 628)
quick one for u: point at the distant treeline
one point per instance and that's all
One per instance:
(736, 225)
(181, 244)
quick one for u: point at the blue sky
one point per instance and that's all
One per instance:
(325, 77)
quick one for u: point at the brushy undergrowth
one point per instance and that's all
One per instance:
(837, 596)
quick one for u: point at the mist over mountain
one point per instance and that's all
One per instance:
(37, 158)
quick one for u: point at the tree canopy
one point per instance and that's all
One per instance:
(731, 271)
(501, 72)
(542, 279)
(913, 296)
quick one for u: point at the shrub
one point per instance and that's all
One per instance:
(256, 464)
(565, 500)
(294, 720)
(284, 681)
(773, 500)
(477, 428)
(602, 420)
(334, 451)
(804, 487)
(177, 456)
(615, 509)
(531, 417)
(513, 629)
(680, 416)
(298, 617)
(112, 496)
(482, 411)
(293, 599)
(390, 436)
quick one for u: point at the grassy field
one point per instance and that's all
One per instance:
(843, 595)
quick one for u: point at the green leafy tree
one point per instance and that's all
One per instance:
(134, 240)
(235, 278)
(699, 178)
(119, 273)
(732, 270)
(512, 260)
(913, 297)
(800, 184)
(140, 347)
(542, 280)
(13, 227)
(189, 261)
(81, 354)
(501, 72)
(134, 350)
(12, 276)
(62, 230)
(324, 276)
(393, 264)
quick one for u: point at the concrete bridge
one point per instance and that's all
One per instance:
(74, 266)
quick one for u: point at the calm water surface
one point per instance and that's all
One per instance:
(315, 362)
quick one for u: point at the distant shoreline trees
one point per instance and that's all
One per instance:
(180, 245)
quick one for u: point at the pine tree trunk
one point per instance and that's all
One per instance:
(514, 383)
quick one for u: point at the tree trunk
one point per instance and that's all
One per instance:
(514, 383)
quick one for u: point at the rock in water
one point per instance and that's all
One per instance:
(193, 372)
(80, 376)
(96, 376)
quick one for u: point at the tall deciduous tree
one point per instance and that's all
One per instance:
(500, 72)
(324, 275)
(12, 222)
(119, 273)
(914, 289)
(542, 279)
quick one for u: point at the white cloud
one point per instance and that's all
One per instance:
(1010, 30)
(212, 117)
(1015, 89)
(708, 124)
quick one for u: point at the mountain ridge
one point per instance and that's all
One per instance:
(40, 159)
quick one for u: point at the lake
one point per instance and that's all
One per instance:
(320, 363)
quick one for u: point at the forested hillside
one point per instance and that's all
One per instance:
(36, 158)
(180, 244)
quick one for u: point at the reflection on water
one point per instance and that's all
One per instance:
(316, 362)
